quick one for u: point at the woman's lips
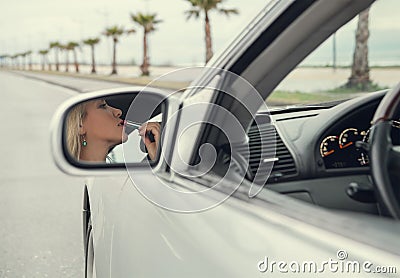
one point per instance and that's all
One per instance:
(121, 123)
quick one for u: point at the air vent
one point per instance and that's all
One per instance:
(283, 168)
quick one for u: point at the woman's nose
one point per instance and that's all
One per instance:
(117, 112)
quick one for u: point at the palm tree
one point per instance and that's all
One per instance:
(64, 47)
(29, 54)
(360, 69)
(56, 46)
(206, 6)
(17, 61)
(114, 32)
(14, 61)
(92, 42)
(148, 22)
(3, 59)
(9, 58)
(43, 52)
(71, 46)
(23, 56)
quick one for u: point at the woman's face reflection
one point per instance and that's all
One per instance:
(102, 126)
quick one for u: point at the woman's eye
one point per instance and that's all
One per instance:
(103, 105)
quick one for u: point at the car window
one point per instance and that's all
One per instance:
(323, 76)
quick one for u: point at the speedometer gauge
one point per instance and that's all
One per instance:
(349, 137)
(329, 145)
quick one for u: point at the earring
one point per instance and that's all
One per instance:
(84, 142)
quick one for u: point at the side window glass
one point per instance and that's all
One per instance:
(327, 74)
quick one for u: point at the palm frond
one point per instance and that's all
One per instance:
(41, 52)
(130, 31)
(147, 21)
(91, 41)
(113, 31)
(194, 12)
(228, 12)
(193, 2)
(55, 45)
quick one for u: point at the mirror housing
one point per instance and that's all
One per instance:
(136, 104)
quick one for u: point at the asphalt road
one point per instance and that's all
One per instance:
(73, 83)
(40, 207)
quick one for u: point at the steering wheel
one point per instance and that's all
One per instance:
(384, 156)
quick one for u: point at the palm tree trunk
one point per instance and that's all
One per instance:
(114, 61)
(93, 60)
(67, 61)
(360, 68)
(76, 62)
(43, 62)
(48, 64)
(209, 52)
(56, 57)
(145, 65)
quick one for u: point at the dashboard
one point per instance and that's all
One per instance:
(328, 161)
(326, 140)
(339, 148)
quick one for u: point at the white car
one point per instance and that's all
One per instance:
(239, 189)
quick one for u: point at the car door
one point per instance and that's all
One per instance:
(221, 232)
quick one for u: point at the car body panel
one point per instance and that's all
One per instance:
(228, 240)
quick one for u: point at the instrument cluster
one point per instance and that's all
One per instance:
(339, 149)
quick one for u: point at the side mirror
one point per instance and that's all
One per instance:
(109, 129)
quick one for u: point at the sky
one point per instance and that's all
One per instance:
(383, 43)
(33, 24)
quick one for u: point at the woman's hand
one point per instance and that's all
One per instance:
(155, 129)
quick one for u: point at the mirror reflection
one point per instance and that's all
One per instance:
(96, 129)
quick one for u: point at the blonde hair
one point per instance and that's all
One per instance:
(73, 124)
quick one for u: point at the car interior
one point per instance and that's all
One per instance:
(320, 159)
(321, 150)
